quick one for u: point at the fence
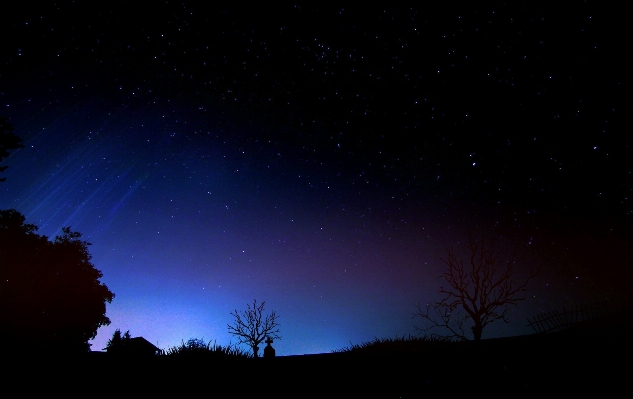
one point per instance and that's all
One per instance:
(557, 321)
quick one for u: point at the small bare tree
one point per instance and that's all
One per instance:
(481, 290)
(251, 327)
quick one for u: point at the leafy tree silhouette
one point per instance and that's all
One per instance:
(251, 327)
(480, 290)
(50, 295)
(8, 142)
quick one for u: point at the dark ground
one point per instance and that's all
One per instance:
(590, 359)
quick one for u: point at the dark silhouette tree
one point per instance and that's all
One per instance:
(480, 290)
(251, 327)
(8, 142)
(118, 342)
(51, 298)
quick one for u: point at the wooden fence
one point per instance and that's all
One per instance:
(558, 321)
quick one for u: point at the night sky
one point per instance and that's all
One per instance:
(321, 159)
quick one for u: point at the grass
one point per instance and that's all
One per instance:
(197, 347)
(389, 345)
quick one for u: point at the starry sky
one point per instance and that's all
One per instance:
(319, 158)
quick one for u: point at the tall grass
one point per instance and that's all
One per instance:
(395, 345)
(197, 347)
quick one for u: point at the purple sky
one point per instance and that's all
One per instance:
(319, 159)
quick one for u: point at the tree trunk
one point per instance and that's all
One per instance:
(477, 329)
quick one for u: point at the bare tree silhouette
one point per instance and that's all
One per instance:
(251, 327)
(480, 290)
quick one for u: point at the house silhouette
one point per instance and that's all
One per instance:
(137, 346)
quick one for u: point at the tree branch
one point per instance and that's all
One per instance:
(251, 327)
(484, 289)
